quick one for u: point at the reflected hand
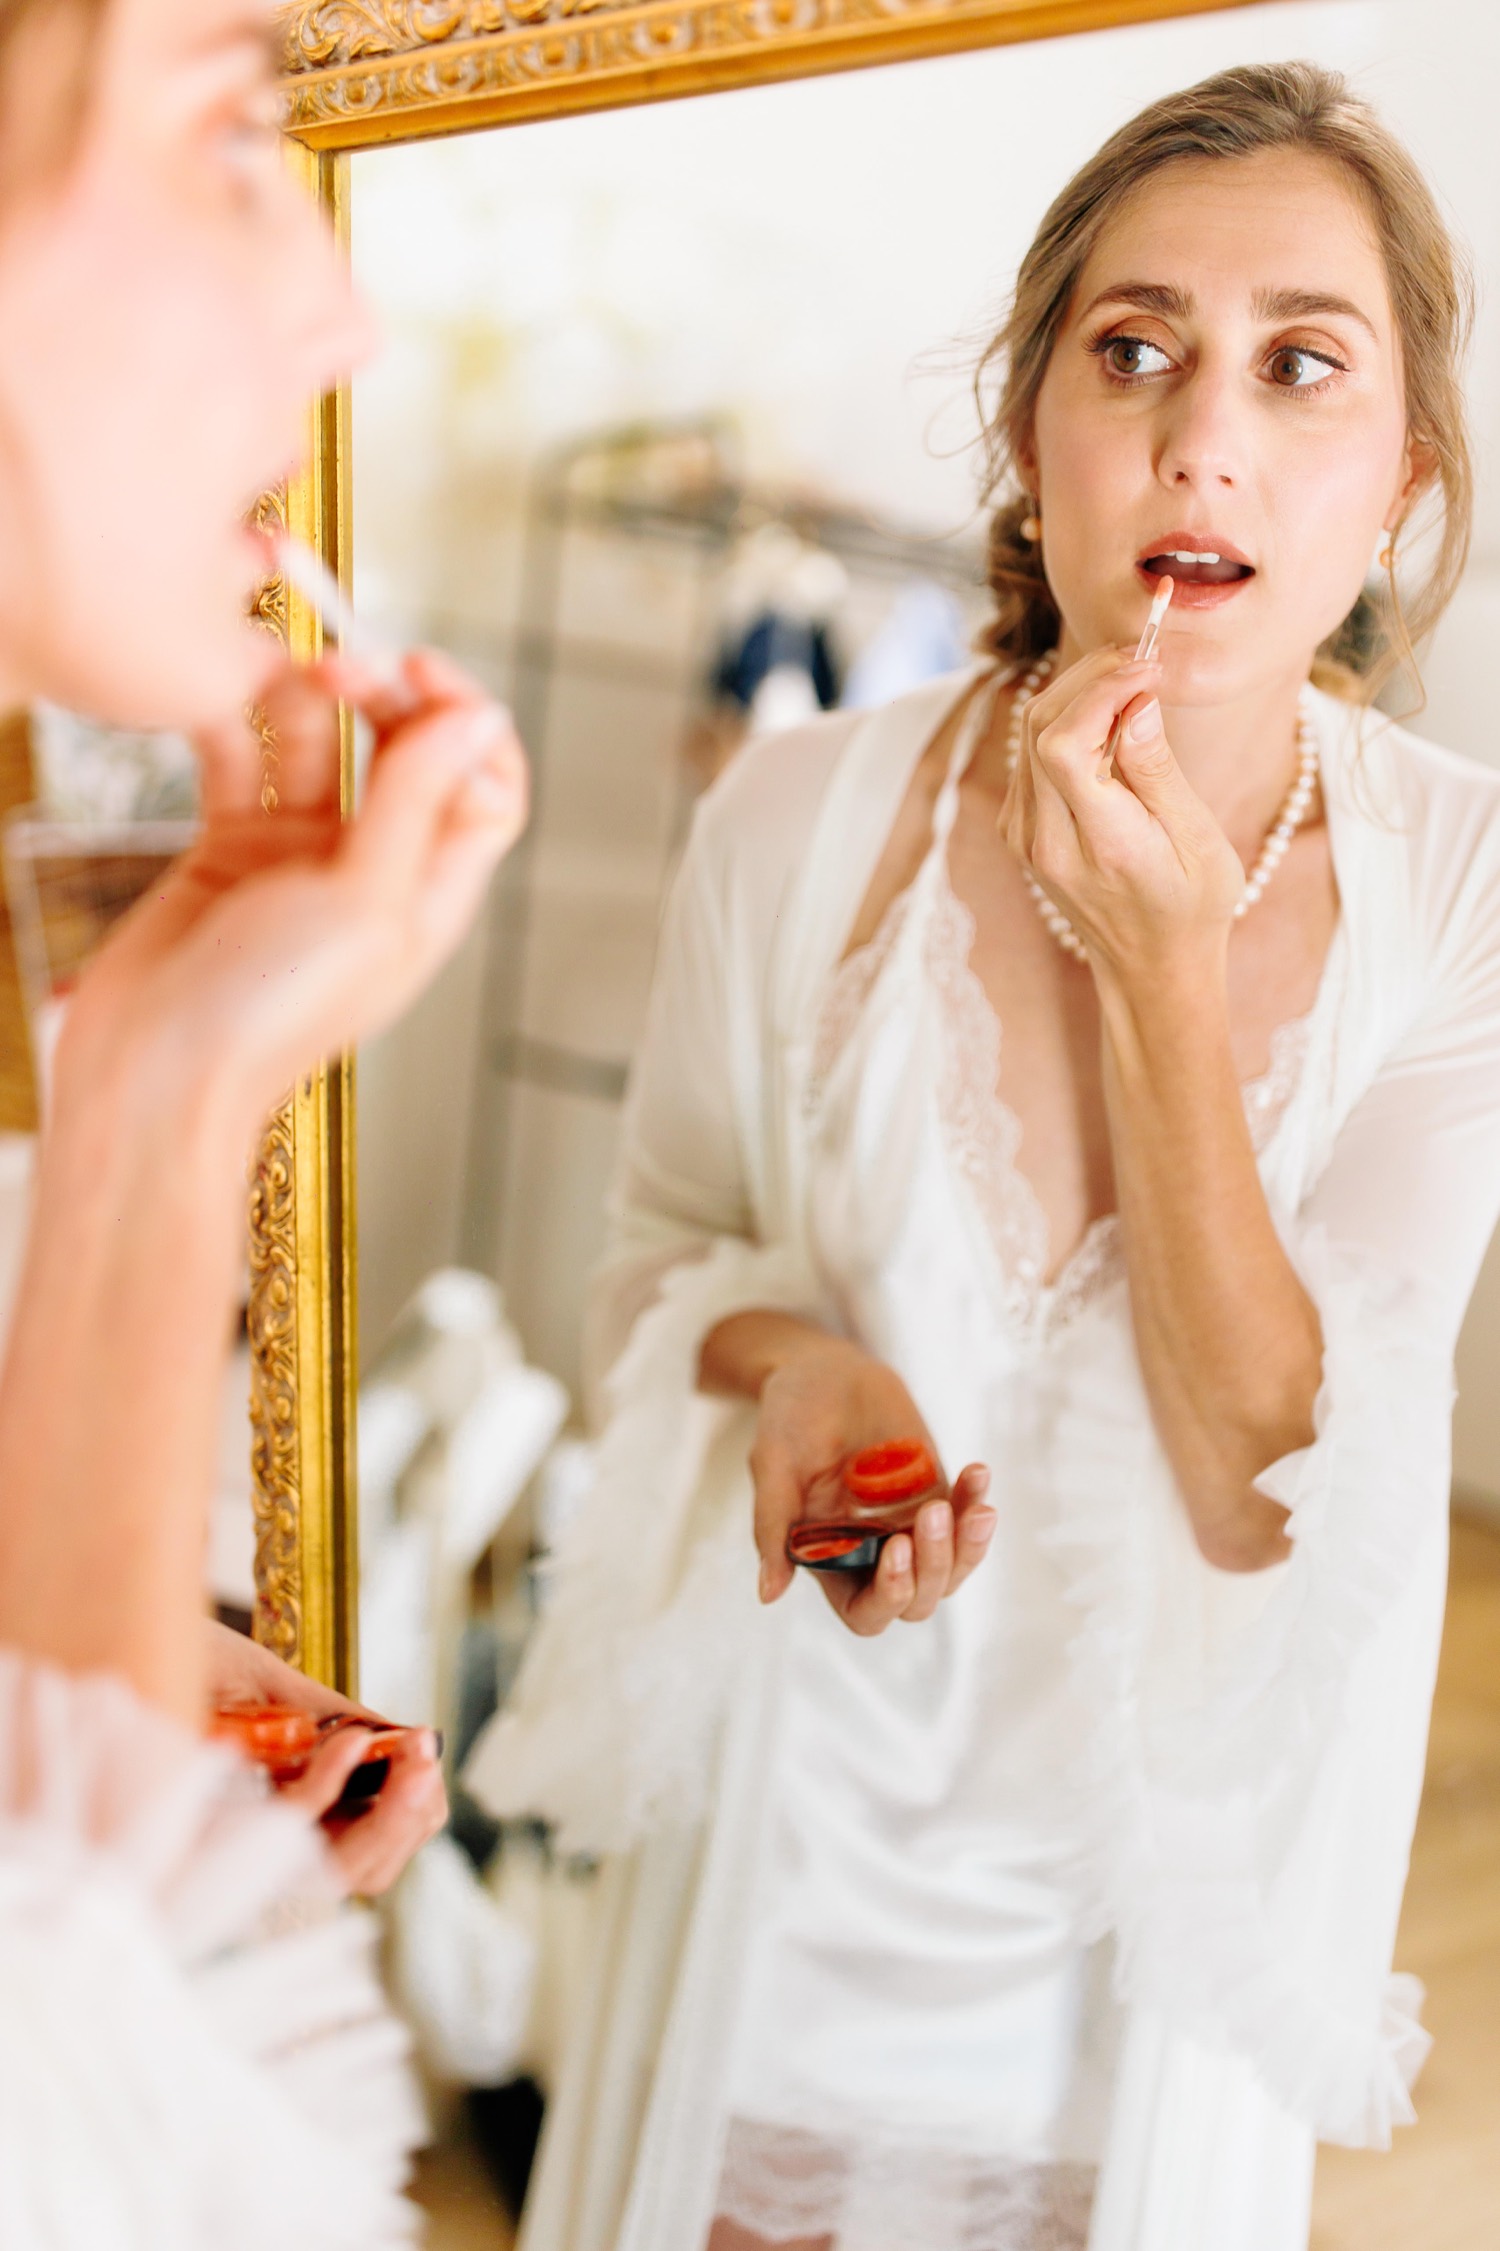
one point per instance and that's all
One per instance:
(829, 1399)
(1123, 843)
(371, 1850)
(284, 936)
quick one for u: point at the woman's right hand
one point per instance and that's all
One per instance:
(823, 1400)
(287, 934)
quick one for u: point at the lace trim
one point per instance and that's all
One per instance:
(984, 1133)
(785, 2184)
(854, 980)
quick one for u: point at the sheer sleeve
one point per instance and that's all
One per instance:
(194, 2051)
(1261, 1738)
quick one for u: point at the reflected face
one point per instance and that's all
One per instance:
(1225, 405)
(169, 303)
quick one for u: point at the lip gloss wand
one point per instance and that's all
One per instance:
(1161, 602)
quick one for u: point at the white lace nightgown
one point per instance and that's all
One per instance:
(925, 2054)
(1073, 1908)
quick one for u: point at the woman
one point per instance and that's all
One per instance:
(193, 2047)
(1067, 1915)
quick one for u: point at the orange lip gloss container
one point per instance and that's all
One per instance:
(880, 1489)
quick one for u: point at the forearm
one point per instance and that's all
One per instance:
(1230, 1343)
(741, 1353)
(109, 1398)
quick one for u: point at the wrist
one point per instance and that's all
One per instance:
(742, 1353)
(1174, 999)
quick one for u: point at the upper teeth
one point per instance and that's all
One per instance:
(1189, 555)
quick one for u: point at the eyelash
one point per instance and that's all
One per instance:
(1102, 344)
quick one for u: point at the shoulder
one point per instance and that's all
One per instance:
(1445, 807)
(1412, 806)
(758, 818)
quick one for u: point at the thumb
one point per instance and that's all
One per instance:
(1143, 759)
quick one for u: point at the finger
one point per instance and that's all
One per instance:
(1071, 745)
(321, 1782)
(884, 1597)
(778, 1505)
(1056, 694)
(300, 710)
(419, 681)
(416, 786)
(933, 1542)
(974, 1523)
(1145, 761)
(1055, 857)
(372, 1850)
(231, 770)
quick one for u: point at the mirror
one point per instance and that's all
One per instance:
(669, 443)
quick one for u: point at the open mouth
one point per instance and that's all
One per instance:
(1196, 566)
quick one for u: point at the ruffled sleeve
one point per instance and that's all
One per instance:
(1259, 1740)
(649, 1603)
(195, 2054)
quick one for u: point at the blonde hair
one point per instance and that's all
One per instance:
(1241, 113)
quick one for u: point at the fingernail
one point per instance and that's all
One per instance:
(900, 1556)
(765, 1582)
(432, 1744)
(1146, 723)
(979, 1523)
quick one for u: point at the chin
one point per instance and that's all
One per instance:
(204, 675)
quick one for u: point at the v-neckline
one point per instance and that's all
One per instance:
(980, 1130)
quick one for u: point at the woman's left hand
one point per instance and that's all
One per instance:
(371, 1850)
(1122, 844)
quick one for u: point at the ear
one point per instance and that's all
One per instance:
(1023, 453)
(1419, 467)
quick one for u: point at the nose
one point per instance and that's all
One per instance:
(1204, 442)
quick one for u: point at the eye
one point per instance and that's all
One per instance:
(1130, 358)
(1292, 367)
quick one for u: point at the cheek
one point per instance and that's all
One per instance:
(1328, 503)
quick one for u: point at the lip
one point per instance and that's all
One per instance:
(1189, 594)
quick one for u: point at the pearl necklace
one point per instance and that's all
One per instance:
(1294, 810)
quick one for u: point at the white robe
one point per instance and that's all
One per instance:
(195, 2052)
(1248, 1751)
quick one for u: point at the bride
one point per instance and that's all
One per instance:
(1090, 1064)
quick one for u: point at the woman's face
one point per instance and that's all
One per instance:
(1227, 383)
(170, 302)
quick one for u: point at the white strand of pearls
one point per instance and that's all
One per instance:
(1293, 813)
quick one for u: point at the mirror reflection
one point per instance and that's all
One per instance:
(1081, 1876)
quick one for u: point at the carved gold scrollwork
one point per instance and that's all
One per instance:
(356, 63)
(274, 1454)
(271, 1320)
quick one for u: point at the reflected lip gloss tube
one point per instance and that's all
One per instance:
(881, 1489)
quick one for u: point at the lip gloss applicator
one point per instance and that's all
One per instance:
(1161, 602)
(341, 622)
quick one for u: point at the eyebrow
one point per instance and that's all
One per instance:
(1268, 304)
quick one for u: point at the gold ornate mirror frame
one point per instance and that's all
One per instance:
(358, 73)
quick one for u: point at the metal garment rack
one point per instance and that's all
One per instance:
(669, 485)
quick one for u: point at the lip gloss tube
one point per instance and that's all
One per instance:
(882, 1489)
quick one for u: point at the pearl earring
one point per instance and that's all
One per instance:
(1031, 528)
(1387, 555)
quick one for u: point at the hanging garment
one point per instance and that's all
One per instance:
(920, 638)
(1202, 1784)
